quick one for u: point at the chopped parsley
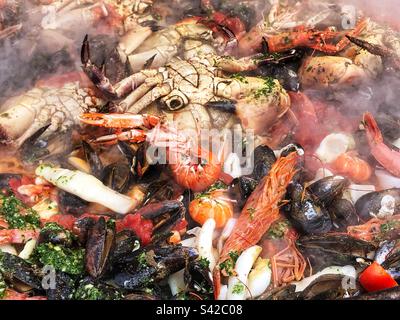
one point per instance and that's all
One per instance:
(71, 261)
(238, 288)
(266, 89)
(91, 292)
(240, 78)
(390, 226)
(251, 212)
(278, 229)
(216, 186)
(142, 260)
(204, 263)
(229, 264)
(17, 214)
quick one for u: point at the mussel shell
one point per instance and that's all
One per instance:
(70, 203)
(96, 166)
(55, 237)
(389, 294)
(99, 245)
(334, 250)
(372, 203)
(160, 262)
(197, 278)
(64, 287)
(287, 292)
(326, 287)
(264, 159)
(343, 214)
(328, 189)
(306, 215)
(389, 125)
(16, 269)
(126, 243)
(246, 186)
(117, 176)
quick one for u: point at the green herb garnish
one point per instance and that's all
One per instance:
(266, 89)
(17, 214)
(71, 261)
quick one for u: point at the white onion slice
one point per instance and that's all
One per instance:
(237, 285)
(259, 278)
(205, 242)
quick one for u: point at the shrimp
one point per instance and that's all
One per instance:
(355, 168)
(260, 211)
(386, 156)
(16, 236)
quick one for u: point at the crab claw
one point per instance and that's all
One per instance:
(120, 120)
(96, 74)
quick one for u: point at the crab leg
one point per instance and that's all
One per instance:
(121, 121)
(136, 105)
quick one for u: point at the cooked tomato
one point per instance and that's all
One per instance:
(376, 278)
(142, 227)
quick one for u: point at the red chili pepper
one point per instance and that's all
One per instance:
(376, 278)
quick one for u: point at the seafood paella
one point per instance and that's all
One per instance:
(199, 150)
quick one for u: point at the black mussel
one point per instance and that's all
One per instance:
(287, 77)
(327, 287)
(164, 215)
(287, 292)
(389, 125)
(96, 166)
(305, 213)
(35, 148)
(99, 245)
(264, 159)
(82, 227)
(328, 189)
(19, 272)
(126, 243)
(386, 202)
(294, 147)
(63, 287)
(91, 289)
(117, 176)
(5, 179)
(384, 250)
(137, 159)
(55, 234)
(343, 214)
(389, 294)
(198, 280)
(246, 186)
(334, 250)
(70, 203)
(153, 265)
(158, 191)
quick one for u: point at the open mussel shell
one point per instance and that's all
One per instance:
(126, 244)
(334, 250)
(197, 278)
(99, 245)
(95, 163)
(19, 273)
(328, 189)
(117, 176)
(370, 204)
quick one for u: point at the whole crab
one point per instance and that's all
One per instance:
(199, 91)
